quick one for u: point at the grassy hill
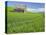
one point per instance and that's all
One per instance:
(9, 9)
(24, 22)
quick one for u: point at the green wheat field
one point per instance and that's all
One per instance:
(24, 22)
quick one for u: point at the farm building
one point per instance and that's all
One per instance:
(20, 8)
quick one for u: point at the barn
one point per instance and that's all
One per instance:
(19, 8)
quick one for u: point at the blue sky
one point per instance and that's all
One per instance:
(30, 5)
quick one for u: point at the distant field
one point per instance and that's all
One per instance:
(25, 22)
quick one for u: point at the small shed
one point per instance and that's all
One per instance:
(20, 8)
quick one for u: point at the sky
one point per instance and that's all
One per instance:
(34, 7)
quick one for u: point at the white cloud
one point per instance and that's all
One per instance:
(41, 9)
(35, 10)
